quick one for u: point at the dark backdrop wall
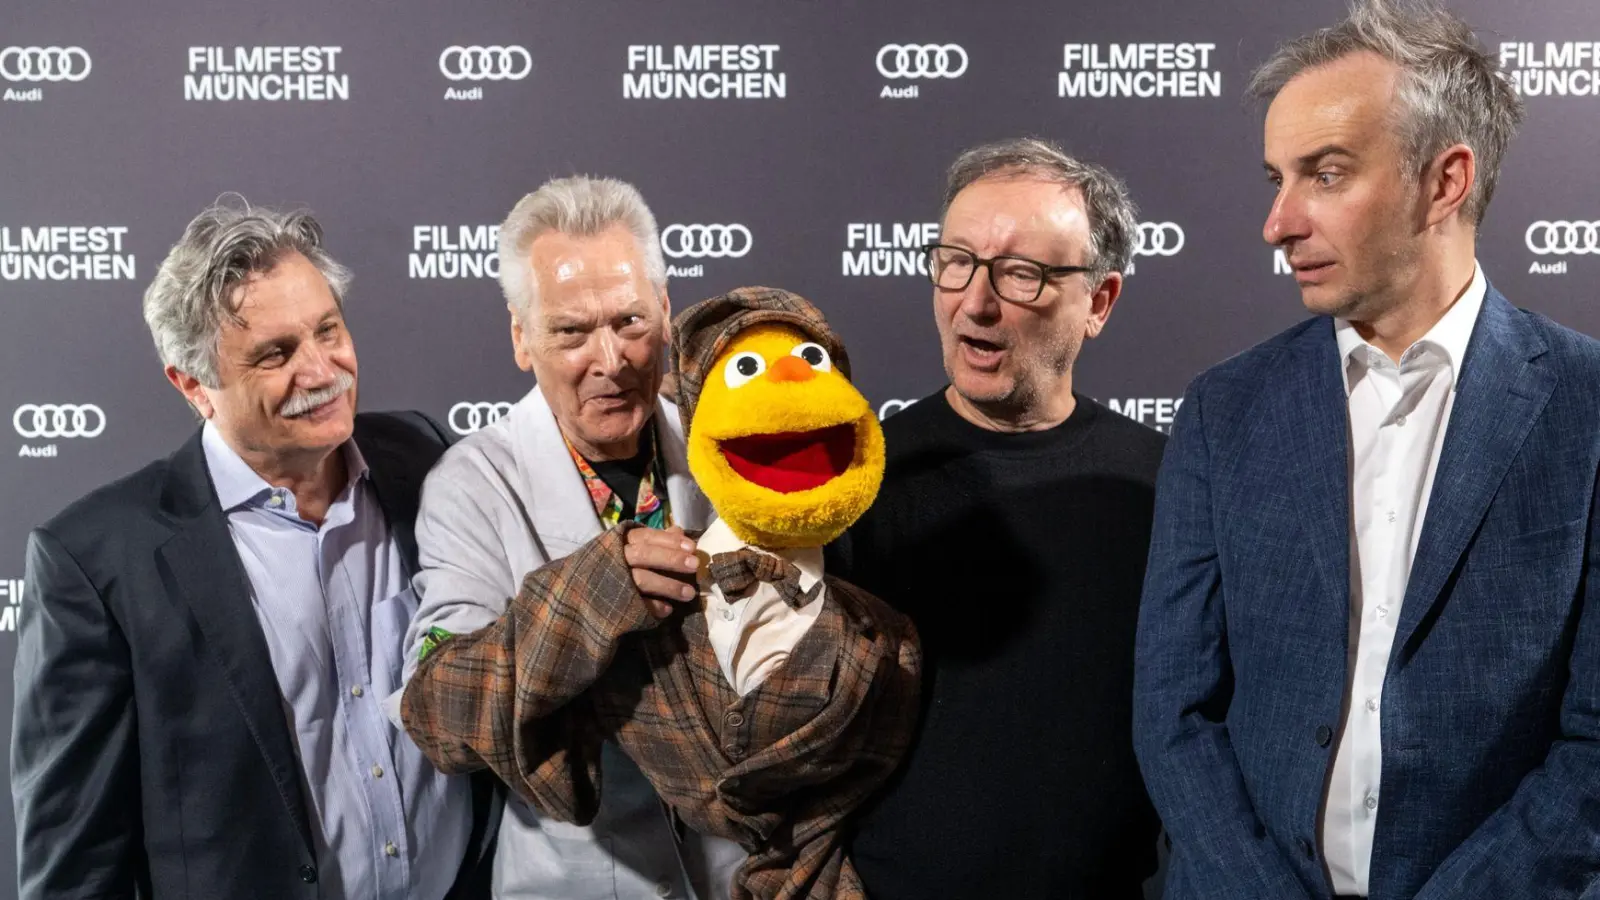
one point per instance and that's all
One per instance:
(799, 144)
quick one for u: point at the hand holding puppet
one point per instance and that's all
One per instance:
(768, 710)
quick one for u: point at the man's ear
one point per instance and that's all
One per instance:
(1447, 183)
(192, 390)
(1105, 297)
(519, 347)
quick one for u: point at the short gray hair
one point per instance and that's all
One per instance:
(579, 206)
(193, 291)
(1113, 218)
(1450, 88)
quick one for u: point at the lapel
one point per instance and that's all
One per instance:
(208, 578)
(560, 508)
(690, 508)
(396, 481)
(1500, 392)
(1316, 415)
(559, 504)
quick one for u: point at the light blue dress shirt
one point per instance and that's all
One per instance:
(334, 602)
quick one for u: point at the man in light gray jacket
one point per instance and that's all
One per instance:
(592, 445)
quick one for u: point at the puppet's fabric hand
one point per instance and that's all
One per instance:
(664, 566)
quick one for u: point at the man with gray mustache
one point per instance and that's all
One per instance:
(201, 666)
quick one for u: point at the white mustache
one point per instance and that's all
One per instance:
(304, 402)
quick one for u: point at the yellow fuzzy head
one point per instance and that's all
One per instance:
(786, 449)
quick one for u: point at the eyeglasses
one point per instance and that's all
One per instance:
(1014, 278)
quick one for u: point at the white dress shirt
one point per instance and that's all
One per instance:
(753, 635)
(1398, 416)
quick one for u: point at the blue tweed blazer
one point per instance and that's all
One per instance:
(1491, 717)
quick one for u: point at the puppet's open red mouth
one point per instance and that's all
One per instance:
(792, 461)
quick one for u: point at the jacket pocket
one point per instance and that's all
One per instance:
(1566, 539)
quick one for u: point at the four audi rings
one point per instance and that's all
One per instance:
(58, 420)
(44, 64)
(705, 241)
(485, 63)
(1563, 238)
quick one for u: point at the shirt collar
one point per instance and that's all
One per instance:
(1450, 334)
(719, 538)
(239, 485)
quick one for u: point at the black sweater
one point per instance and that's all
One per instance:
(1020, 558)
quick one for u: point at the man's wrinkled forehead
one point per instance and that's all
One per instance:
(1011, 206)
(598, 272)
(598, 300)
(1347, 105)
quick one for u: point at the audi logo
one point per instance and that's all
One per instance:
(890, 407)
(922, 61)
(44, 63)
(465, 418)
(1563, 238)
(705, 241)
(59, 420)
(1158, 239)
(485, 63)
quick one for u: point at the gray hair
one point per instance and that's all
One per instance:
(1113, 218)
(580, 206)
(1450, 88)
(193, 291)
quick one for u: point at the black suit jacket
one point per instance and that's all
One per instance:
(150, 753)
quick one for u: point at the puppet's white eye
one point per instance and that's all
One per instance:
(742, 368)
(815, 355)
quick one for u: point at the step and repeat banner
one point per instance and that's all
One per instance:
(796, 144)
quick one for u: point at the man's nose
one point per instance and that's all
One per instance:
(607, 352)
(1287, 220)
(317, 368)
(979, 301)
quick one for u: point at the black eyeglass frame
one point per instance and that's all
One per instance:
(1047, 271)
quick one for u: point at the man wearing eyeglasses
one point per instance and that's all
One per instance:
(1012, 527)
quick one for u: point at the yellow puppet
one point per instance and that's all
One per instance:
(790, 454)
(768, 710)
(788, 451)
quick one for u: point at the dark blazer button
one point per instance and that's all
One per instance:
(308, 874)
(1306, 848)
(1324, 735)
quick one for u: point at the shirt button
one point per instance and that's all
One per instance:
(1400, 420)
(1324, 735)
(734, 750)
(727, 614)
(377, 771)
(1372, 704)
(308, 874)
(391, 849)
(1383, 612)
(1372, 803)
(664, 889)
(355, 690)
(275, 500)
(734, 720)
